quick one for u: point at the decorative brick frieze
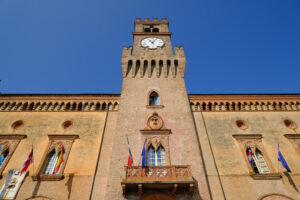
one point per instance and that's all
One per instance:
(58, 103)
(244, 103)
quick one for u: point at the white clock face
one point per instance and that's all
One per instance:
(152, 43)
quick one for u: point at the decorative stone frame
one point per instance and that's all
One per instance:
(160, 100)
(156, 141)
(9, 142)
(56, 142)
(157, 134)
(295, 140)
(255, 141)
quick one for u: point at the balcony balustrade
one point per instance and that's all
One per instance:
(158, 177)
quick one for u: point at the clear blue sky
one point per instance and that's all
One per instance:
(75, 46)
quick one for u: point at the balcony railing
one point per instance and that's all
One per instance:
(158, 175)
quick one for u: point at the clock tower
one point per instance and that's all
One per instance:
(154, 111)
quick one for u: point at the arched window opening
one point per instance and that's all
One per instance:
(204, 106)
(239, 105)
(68, 106)
(233, 105)
(74, 106)
(153, 63)
(176, 63)
(98, 106)
(109, 106)
(155, 30)
(138, 64)
(154, 99)
(6, 106)
(37, 106)
(80, 106)
(25, 106)
(4, 156)
(192, 106)
(86, 106)
(156, 158)
(210, 106)
(168, 63)
(50, 106)
(257, 161)
(55, 106)
(62, 106)
(160, 63)
(216, 105)
(53, 163)
(222, 106)
(147, 30)
(13, 105)
(228, 106)
(116, 106)
(198, 106)
(92, 106)
(31, 106)
(104, 106)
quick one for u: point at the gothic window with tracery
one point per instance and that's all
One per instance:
(55, 158)
(54, 162)
(156, 158)
(4, 156)
(257, 161)
(154, 99)
(8, 144)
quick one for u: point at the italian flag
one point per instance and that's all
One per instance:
(59, 161)
(130, 159)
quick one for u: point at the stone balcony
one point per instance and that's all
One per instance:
(162, 177)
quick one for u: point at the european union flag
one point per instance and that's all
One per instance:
(282, 160)
(0, 155)
(144, 156)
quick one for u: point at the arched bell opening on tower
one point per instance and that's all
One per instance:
(154, 99)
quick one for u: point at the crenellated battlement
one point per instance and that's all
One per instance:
(155, 20)
(147, 65)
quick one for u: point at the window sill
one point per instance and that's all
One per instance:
(269, 176)
(52, 177)
(155, 107)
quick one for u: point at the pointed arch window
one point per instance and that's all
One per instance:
(4, 156)
(156, 158)
(54, 162)
(154, 99)
(257, 161)
(8, 144)
(55, 158)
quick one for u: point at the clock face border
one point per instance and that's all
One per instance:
(151, 40)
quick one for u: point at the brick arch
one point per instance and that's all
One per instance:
(274, 196)
(157, 197)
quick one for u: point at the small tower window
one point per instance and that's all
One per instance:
(155, 30)
(154, 99)
(147, 30)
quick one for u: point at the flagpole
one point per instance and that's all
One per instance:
(32, 159)
(277, 159)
